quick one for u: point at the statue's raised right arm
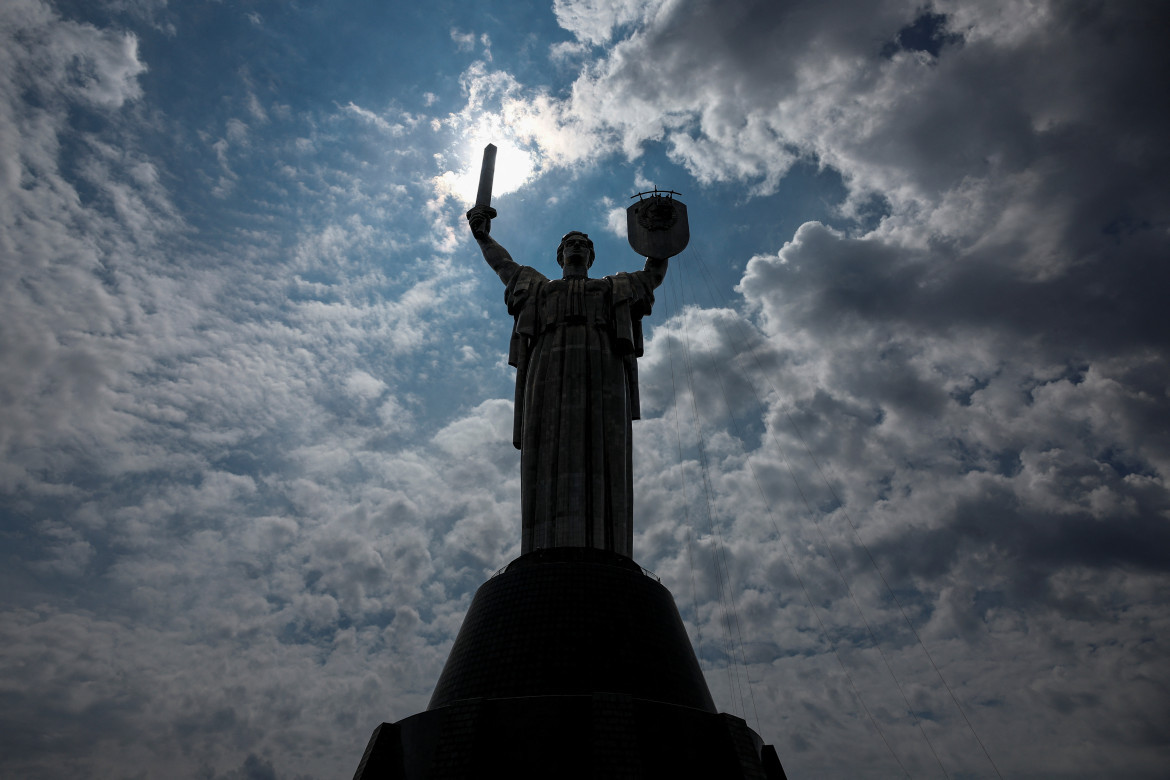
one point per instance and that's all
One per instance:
(479, 219)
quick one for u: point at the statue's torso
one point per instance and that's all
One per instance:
(574, 407)
(575, 302)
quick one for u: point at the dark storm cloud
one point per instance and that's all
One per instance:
(1027, 122)
(984, 372)
(1107, 300)
(229, 501)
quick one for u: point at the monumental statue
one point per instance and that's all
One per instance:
(575, 344)
(572, 662)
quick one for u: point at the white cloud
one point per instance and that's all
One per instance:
(464, 40)
(365, 386)
(615, 221)
(491, 423)
(233, 503)
(595, 21)
(396, 129)
(567, 51)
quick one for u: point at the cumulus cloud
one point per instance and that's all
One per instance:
(595, 21)
(159, 394)
(941, 365)
(971, 135)
(251, 476)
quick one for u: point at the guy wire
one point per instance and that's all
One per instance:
(713, 290)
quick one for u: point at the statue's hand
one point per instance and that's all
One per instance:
(479, 219)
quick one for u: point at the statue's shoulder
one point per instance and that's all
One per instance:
(527, 277)
(627, 284)
(630, 276)
(523, 286)
(533, 274)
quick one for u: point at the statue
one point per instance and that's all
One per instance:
(575, 344)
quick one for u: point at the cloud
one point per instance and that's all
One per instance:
(465, 41)
(978, 139)
(386, 127)
(595, 21)
(958, 389)
(364, 385)
(183, 422)
(256, 451)
(71, 60)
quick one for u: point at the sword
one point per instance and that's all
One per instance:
(483, 198)
(487, 173)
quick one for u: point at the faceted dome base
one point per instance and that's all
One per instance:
(573, 621)
(571, 663)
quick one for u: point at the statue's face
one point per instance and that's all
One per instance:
(577, 249)
(575, 252)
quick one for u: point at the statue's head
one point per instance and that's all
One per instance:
(571, 237)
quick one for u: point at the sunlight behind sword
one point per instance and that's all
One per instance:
(487, 173)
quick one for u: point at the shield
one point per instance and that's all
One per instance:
(657, 225)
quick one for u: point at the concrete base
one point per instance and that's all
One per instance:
(573, 621)
(577, 737)
(570, 663)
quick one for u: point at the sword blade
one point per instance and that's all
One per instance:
(487, 174)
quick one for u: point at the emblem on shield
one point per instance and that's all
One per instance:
(657, 224)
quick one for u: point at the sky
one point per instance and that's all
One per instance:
(905, 442)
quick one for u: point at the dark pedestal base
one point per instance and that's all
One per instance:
(573, 621)
(600, 736)
(571, 663)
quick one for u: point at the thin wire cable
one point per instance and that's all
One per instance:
(791, 558)
(713, 290)
(894, 595)
(848, 589)
(683, 486)
(722, 548)
(720, 574)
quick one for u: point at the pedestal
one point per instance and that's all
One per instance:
(571, 663)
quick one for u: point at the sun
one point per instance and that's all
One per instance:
(515, 165)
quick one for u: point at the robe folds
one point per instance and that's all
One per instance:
(575, 346)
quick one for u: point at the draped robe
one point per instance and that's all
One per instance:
(575, 346)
